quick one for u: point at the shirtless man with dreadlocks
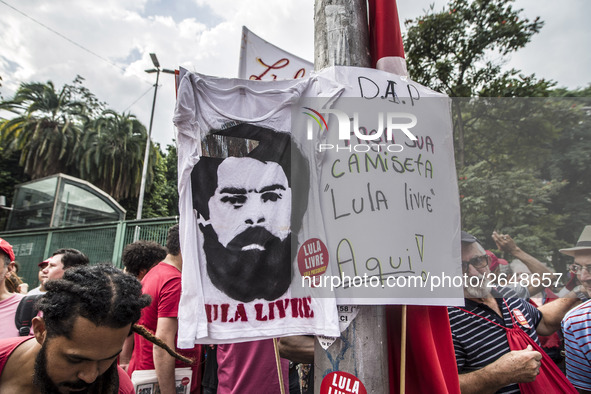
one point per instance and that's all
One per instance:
(86, 317)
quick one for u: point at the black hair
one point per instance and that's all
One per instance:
(173, 244)
(141, 255)
(72, 257)
(272, 146)
(5, 258)
(101, 293)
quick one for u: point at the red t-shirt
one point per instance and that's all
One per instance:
(163, 284)
(250, 367)
(7, 346)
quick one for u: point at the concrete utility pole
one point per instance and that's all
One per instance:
(341, 38)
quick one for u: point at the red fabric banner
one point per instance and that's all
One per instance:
(551, 379)
(385, 37)
(430, 358)
(430, 351)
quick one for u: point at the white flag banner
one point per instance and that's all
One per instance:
(261, 60)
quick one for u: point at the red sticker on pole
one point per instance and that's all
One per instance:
(341, 383)
(313, 258)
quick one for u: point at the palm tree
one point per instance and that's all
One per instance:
(111, 154)
(45, 131)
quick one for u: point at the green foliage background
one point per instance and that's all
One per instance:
(69, 130)
(523, 147)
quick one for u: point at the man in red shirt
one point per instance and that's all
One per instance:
(140, 256)
(86, 317)
(163, 284)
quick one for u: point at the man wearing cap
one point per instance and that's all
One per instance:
(8, 301)
(61, 260)
(42, 278)
(481, 329)
(576, 325)
(50, 269)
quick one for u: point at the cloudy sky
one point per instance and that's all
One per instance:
(108, 42)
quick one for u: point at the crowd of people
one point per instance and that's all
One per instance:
(92, 327)
(88, 328)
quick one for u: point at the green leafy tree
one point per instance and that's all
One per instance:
(111, 154)
(172, 191)
(510, 132)
(46, 129)
(11, 174)
(521, 149)
(156, 199)
(451, 50)
(580, 92)
(569, 161)
(512, 201)
(161, 198)
(71, 131)
(460, 49)
(78, 92)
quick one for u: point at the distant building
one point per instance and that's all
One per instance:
(61, 200)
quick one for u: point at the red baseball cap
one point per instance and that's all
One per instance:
(495, 261)
(7, 248)
(43, 263)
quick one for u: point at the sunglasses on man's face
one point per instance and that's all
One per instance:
(577, 268)
(477, 262)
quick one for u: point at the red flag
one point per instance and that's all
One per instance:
(430, 358)
(385, 37)
(430, 350)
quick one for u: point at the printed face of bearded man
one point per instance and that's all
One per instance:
(247, 239)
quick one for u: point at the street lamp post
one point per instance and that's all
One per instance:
(156, 70)
(140, 204)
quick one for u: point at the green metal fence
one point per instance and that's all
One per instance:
(100, 242)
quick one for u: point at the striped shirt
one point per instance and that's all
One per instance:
(576, 326)
(477, 342)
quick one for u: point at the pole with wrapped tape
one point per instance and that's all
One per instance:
(341, 38)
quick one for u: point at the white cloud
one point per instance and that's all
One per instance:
(205, 37)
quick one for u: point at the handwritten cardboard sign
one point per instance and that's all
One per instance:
(389, 195)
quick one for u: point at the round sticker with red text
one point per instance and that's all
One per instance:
(313, 258)
(341, 383)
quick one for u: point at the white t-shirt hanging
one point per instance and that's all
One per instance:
(245, 215)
